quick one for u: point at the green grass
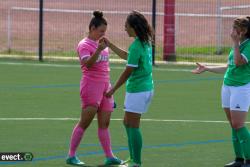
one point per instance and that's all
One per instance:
(30, 90)
(202, 50)
(202, 54)
(202, 58)
(47, 54)
(186, 54)
(17, 52)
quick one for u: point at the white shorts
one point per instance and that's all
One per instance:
(237, 98)
(138, 102)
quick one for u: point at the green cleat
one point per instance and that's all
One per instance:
(113, 161)
(246, 165)
(74, 161)
(235, 164)
(127, 161)
(132, 164)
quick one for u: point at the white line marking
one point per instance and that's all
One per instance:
(115, 119)
(124, 12)
(77, 66)
(234, 7)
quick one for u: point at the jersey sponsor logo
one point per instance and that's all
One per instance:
(102, 58)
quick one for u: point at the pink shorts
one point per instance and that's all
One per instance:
(92, 94)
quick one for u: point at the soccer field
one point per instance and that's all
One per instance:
(185, 125)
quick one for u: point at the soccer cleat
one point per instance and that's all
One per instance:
(113, 161)
(132, 164)
(127, 161)
(235, 164)
(74, 161)
(246, 165)
(114, 105)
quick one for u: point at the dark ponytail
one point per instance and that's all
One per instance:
(97, 20)
(243, 22)
(248, 28)
(139, 23)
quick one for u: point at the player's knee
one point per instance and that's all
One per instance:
(104, 125)
(83, 124)
(132, 124)
(125, 123)
(237, 125)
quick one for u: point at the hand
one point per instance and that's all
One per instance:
(235, 36)
(200, 69)
(106, 41)
(110, 93)
(101, 44)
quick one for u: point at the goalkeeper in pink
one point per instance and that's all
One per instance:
(95, 82)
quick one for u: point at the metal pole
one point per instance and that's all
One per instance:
(169, 31)
(41, 31)
(9, 30)
(154, 29)
(219, 28)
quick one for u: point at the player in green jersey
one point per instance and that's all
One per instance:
(138, 78)
(235, 94)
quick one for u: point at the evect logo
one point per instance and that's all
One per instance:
(18, 156)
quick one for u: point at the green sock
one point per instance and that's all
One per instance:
(244, 137)
(129, 142)
(136, 140)
(236, 144)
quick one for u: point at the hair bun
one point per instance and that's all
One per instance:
(248, 17)
(98, 14)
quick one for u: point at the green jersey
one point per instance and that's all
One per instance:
(140, 57)
(238, 76)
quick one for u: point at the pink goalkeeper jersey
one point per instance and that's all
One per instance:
(100, 70)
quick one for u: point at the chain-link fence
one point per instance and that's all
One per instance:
(202, 27)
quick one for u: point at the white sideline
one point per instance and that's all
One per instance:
(116, 119)
(112, 67)
(77, 66)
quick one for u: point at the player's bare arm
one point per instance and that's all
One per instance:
(202, 68)
(92, 59)
(237, 38)
(123, 78)
(120, 52)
